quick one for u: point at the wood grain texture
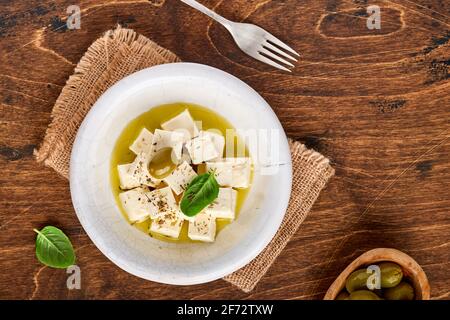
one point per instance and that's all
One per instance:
(377, 103)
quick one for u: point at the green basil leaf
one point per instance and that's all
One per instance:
(53, 248)
(202, 191)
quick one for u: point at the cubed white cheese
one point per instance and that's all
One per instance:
(241, 168)
(126, 178)
(137, 204)
(217, 139)
(224, 206)
(168, 224)
(168, 139)
(203, 228)
(180, 178)
(143, 142)
(183, 123)
(222, 171)
(201, 149)
(165, 201)
(169, 219)
(231, 172)
(138, 169)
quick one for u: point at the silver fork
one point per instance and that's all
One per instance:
(253, 40)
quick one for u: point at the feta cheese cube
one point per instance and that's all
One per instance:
(224, 206)
(183, 123)
(138, 169)
(241, 169)
(222, 171)
(169, 219)
(127, 180)
(231, 172)
(168, 224)
(180, 178)
(143, 142)
(137, 205)
(201, 149)
(217, 139)
(203, 228)
(165, 201)
(168, 139)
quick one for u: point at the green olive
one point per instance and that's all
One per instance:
(403, 291)
(161, 164)
(357, 280)
(363, 295)
(391, 274)
(343, 295)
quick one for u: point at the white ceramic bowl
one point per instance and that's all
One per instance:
(131, 249)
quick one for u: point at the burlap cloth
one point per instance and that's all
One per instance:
(121, 52)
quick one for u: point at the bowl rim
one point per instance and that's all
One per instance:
(405, 261)
(96, 110)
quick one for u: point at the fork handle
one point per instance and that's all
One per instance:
(196, 5)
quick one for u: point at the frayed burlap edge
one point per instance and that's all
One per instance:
(92, 76)
(311, 171)
(121, 52)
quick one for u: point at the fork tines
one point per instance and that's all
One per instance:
(275, 53)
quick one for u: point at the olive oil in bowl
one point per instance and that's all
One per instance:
(152, 120)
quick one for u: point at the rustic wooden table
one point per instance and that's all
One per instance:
(376, 102)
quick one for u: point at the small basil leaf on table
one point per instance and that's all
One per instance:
(201, 192)
(53, 248)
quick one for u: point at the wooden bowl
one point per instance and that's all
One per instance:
(411, 270)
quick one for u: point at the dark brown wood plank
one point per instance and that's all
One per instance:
(377, 103)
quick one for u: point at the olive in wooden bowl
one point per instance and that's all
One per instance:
(381, 274)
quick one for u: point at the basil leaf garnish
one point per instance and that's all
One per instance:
(53, 248)
(202, 191)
